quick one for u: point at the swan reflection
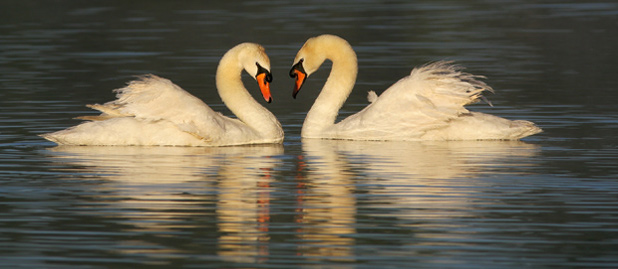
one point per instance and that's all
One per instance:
(408, 180)
(164, 190)
(326, 203)
(223, 196)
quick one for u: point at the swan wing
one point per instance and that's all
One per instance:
(151, 99)
(428, 99)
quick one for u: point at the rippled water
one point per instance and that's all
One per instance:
(550, 200)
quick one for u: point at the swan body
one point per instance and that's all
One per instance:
(426, 105)
(153, 111)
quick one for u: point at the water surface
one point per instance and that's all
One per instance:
(549, 200)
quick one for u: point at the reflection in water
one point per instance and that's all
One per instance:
(428, 179)
(243, 207)
(344, 188)
(418, 180)
(157, 186)
(327, 206)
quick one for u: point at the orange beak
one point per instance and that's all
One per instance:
(263, 80)
(299, 73)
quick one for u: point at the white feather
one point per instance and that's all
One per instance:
(154, 111)
(426, 105)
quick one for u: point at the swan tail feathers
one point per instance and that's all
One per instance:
(372, 96)
(524, 128)
(50, 136)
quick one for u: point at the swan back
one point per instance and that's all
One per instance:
(429, 105)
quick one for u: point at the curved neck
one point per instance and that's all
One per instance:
(236, 97)
(336, 90)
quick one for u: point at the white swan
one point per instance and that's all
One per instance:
(426, 105)
(153, 111)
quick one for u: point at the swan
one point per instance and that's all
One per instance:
(426, 105)
(153, 111)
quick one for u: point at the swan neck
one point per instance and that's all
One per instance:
(236, 97)
(335, 92)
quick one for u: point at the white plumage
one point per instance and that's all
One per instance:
(153, 111)
(426, 105)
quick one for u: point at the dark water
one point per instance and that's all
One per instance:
(548, 201)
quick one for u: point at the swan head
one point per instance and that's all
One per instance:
(254, 60)
(264, 78)
(313, 53)
(308, 60)
(300, 75)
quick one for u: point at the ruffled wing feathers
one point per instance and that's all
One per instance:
(152, 98)
(427, 99)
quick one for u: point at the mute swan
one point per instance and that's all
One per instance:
(153, 111)
(426, 105)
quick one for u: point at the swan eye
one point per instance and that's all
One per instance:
(298, 66)
(262, 70)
